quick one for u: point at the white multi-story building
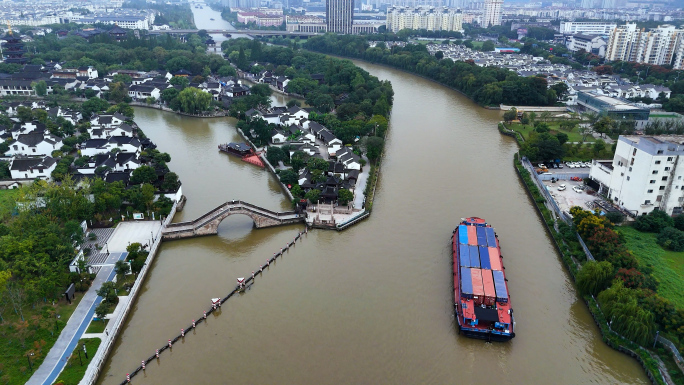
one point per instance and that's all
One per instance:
(622, 43)
(646, 173)
(659, 46)
(586, 28)
(492, 13)
(431, 19)
(588, 43)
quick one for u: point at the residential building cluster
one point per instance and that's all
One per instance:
(111, 152)
(645, 174)
(561, 12)
(294, 129)
(32, 13)
(143, 87)
(578, 81)
(431, 19)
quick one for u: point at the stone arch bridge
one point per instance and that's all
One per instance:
(208, 223)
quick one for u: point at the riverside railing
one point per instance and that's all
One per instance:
(562, 215)
(673, 349)
(93, 370)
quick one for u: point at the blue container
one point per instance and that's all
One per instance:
(464, 255)
(466, 283)
(500, 286)
(474, 257)
(481, 236)
(484, 258)
(491, 237)
(463, 234)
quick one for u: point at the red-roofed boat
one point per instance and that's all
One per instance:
(481, 300)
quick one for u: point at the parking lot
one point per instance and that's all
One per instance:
(569, 197)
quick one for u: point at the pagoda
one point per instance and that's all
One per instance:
(13, 49)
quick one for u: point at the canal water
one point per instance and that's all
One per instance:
(372, 304)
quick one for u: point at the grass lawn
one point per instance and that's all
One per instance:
(573, 135)
(7, 202)
(35, 335)
(668, 266)
(97, 326)
(76, 366)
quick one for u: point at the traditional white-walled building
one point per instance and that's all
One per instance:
(32, 167)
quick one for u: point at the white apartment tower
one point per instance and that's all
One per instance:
(431, 19)
(622, 43)
(492, 13)
(659, 46)
(646, 173)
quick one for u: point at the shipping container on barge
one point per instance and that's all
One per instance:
(481, 301)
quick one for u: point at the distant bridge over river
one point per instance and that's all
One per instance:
(251, 32)
(208, 223)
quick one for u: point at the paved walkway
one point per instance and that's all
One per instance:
(360, 186)
(143, 232)
(57, 358)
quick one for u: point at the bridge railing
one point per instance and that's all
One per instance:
(231, 205)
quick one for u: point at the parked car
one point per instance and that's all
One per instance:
(577, 189)
(554, 165)
(541, 165)
(560, 165)
(561, 187)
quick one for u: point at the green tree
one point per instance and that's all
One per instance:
(313, 195)
(487, 46)
(122, 268)
(169, 94)
(40, 87)
(275, 155)
(118, 92)
(594, 277)
(297, 191)
(171, 182)
(194, 101)
(288, 177)
(510, 115)
(108, 292)
(102, 310)
(144, 174)
(374, 146)
(181, 81)
(627, 317)
(344, 196)
(24, 114)
(93, 105)
(226, 70)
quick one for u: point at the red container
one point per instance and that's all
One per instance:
(472, 236)
(478, 286)
(489, 290)
(494, 258)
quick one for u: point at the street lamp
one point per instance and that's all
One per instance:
(29, 361)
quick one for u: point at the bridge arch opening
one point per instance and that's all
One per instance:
(235, 227)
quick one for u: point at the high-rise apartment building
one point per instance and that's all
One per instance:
(492, 13)
(339, 15)
(622, 43)
(431, 19)
(659, 46)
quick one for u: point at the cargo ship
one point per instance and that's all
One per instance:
(481, 301)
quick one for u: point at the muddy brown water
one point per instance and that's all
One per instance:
(372, 304)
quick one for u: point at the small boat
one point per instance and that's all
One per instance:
(244, 151)
(227, 35)
(212, 19)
